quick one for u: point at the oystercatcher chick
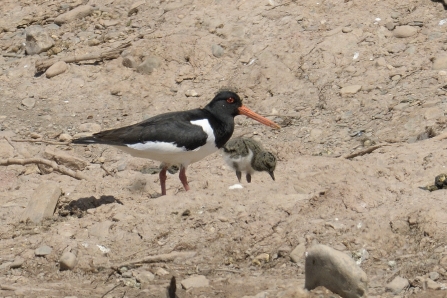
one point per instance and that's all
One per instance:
(179, 138)
(247, 155)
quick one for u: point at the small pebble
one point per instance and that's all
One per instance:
(43, 251)
(35, 135)
(191, 93)
(346, 29)
(67, 261)
(404, 31)
(29, 102)
(217, 50)
(64, 137)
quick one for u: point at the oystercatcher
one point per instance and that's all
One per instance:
(179, 138)
(247, 155)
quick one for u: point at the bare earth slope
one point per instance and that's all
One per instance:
(340, 76)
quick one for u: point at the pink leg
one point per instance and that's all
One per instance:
(183, 178)
(163, 180)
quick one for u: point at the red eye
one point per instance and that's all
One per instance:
(230, 100)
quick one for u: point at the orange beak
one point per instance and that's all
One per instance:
(243, 110)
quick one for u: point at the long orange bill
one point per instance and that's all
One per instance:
(243, 110)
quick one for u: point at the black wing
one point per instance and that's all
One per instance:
(175, 127)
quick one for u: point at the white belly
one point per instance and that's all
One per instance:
(240, 163)
(169, 153)
(173, 157)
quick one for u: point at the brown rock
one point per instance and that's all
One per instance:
(42, 203)
(56, 69)
(404, 31)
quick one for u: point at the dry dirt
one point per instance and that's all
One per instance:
(289, 60)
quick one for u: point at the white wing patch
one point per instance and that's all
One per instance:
(160, 147)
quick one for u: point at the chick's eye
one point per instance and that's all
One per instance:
(230, 100)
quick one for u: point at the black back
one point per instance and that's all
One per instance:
(176, 127)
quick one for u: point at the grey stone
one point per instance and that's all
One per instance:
(397, 285)
(197, 281)
(67, 261)
(43, 202)
(390, 26)
(56, 69)
(148, 65)
(144, 277)
(29, 102)
(100, 229)
(336, 271)
(43, 250)
(37, 40)
(76, 13)
(130, 62)
(433, 275)
(297, 253)
(440, 62)
(346, 29)
(217, 50)
(350, 90)
(17, 263)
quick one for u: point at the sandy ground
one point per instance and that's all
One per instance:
(335, 75)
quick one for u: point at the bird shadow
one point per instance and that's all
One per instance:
(80, 206)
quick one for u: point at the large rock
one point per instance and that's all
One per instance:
(37, 40)
(76, 13)
(42, 203)
(336, 271)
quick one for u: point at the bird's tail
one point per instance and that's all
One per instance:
(86, 140)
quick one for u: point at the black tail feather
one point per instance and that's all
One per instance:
(172, 288)
(86, 140)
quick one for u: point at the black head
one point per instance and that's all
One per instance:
(225, 102)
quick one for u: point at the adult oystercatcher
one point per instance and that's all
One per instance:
(247, 155)
(179, 138)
